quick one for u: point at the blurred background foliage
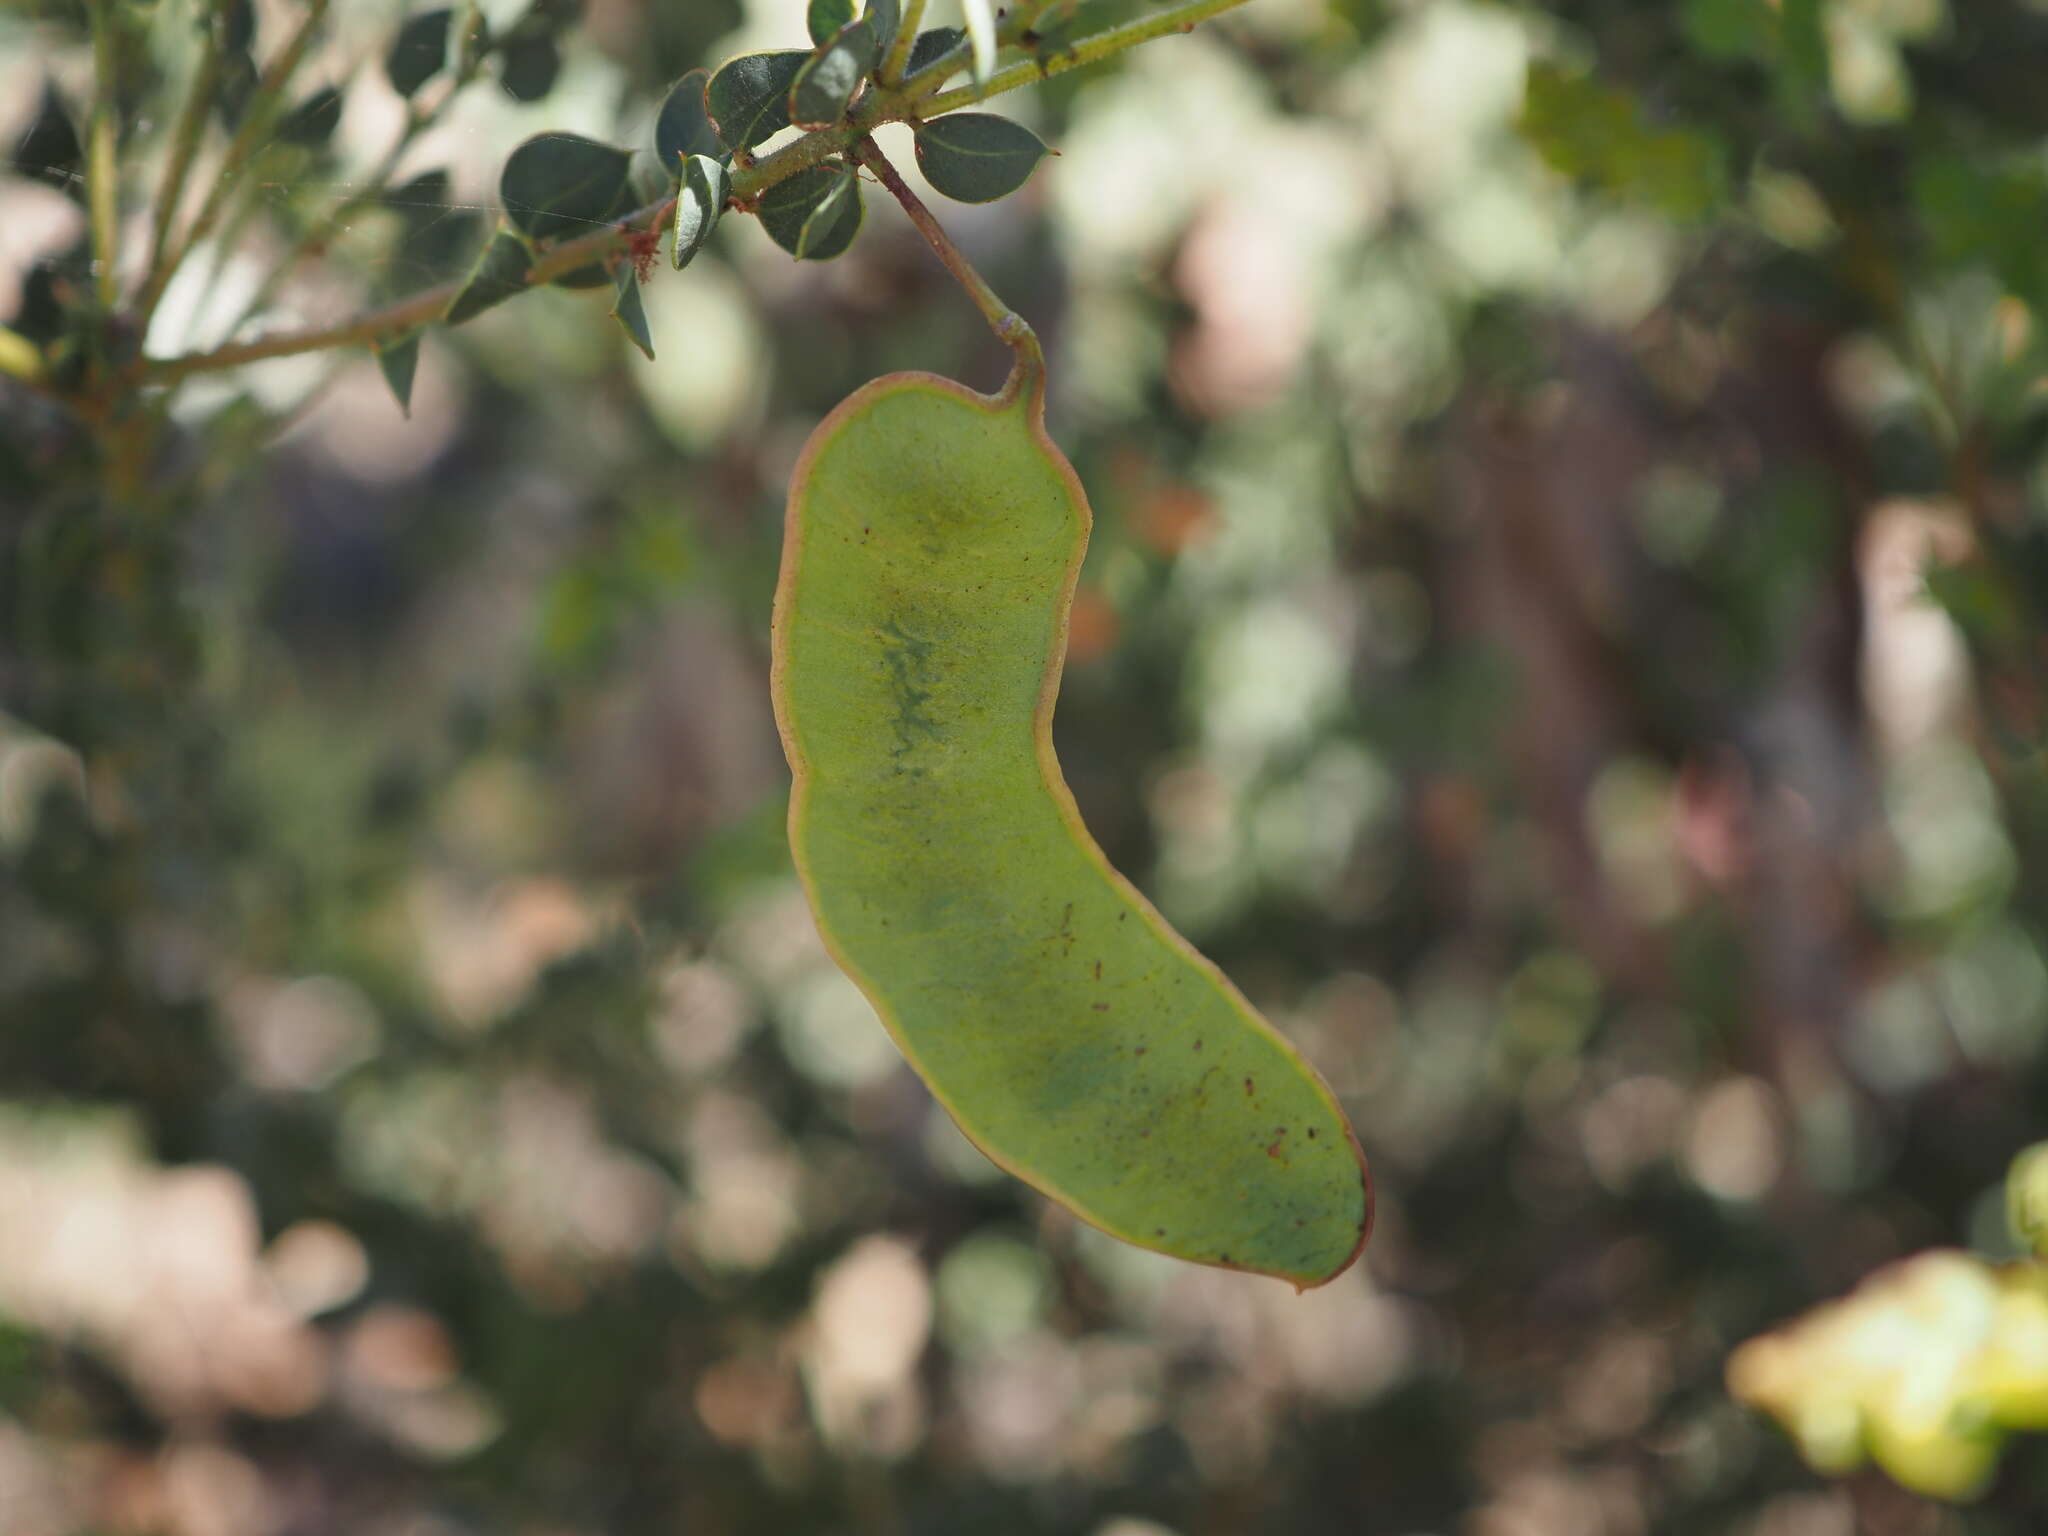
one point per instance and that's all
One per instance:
(1565, 631)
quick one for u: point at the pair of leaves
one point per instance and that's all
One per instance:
(554, 184)
(529, 56)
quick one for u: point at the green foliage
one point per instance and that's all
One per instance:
(825, 86)
(976, 157)
(630, 312)
(1598, 134)
(562, 183)
(499, 274)
(816, 214)
(699, 203)
(683, 126)
(826, 18)
(398, 361)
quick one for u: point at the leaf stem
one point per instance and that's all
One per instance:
(184, 145)
(102, 170)
(1009, 326)
(890, 73)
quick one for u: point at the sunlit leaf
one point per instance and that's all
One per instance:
(527, 67)
(419, 51)
(748, 99)
(824, 18)
(829, 78)
(699, 203)
(683, 126)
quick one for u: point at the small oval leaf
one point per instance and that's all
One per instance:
(816, 213)
(824, 18)
(825, 85)
(683, 127)
(630, 312)
(527, 67)
(499, 274)
(932, 46)
(562, 183)
(748, 99)
(398, 361)
(419, 51)
(977, 157)
(699, 203)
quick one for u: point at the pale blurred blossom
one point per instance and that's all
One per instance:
(1735, 1146)
(744, 1181)
(867, 1328)
(156, 1270)
(1915, 672)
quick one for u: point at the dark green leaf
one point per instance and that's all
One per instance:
(1600, 135)
(419, 51)
(748, 99)
(826, 17)
(591, 276)
(49, 150)
(826, 83)
(397, 361)
(816, 213)
(699, 202)
(977, 157)
(238, 78)
(527, 67)
(237, 22)
(683, 126)
(562, 183)
(313, 121)
(630, 312)
(499, 274)
(932, 46)
(885, 17)
(437, 239)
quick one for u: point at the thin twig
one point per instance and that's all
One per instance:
(257, 118)
(1087, 50)
(102, 171)
(184, 145)
(1009, 326)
